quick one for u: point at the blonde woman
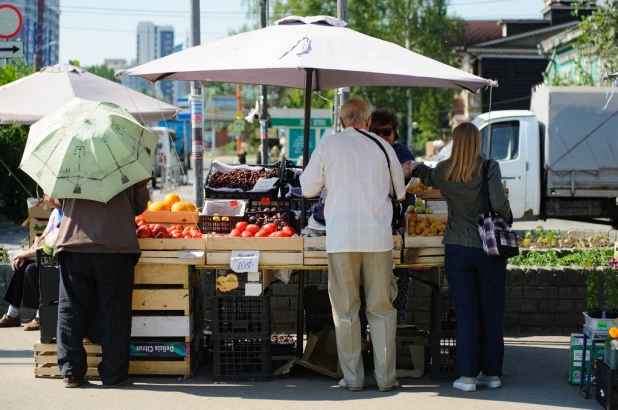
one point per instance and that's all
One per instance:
(476, 281)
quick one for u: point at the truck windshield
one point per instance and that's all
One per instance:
(504, 140)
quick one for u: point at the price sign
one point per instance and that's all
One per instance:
(191, 254)
(233, 204)
(265, 184)
(244, 261)
(265, 201)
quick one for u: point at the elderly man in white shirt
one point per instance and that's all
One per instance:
(358, 212)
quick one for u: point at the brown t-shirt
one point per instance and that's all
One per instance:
(96, 227)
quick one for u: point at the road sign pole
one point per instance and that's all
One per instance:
(197, 125)
(264, 116)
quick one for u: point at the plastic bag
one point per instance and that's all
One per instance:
(50, 242)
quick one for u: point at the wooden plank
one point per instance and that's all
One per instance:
(54, 371)
(53, 347)
(171, 218)
(423, 241)
(431, 251)
(162, 326)
(177, 368)
(266, 258)
(429, 259)
(231, 243)
(92, 360)
(171, 261)
(319, 243)
(148, 274)
(161, 299)
(196, 244)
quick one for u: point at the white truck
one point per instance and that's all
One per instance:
(560, 159)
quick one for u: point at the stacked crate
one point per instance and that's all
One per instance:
(315, 250)
(38, 216)
(443, 334)
(241, 338)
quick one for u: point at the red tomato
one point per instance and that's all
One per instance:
(187, 229)
(188, 236)
(140, 221)
(175, 231)
(272, 235)
(270, 228)
(178, 235)
(235, 232)
(162, 235)
(289, 230)
(143, 232)
(253, 229)
(247, 234)
(280, 234)
(175, 228)
(197, 234)
(160, 229)
(241, 226)
(151, 227)
(262, 234)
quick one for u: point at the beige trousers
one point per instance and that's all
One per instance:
(346, 272)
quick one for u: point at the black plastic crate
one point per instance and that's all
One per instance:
(282, 350)
(241, 360)
(442, 312)
(246, 317)
(223, 224)
(443, 357)
(607, 386)
(280, 217)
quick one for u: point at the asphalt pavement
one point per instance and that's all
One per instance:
(535, 377)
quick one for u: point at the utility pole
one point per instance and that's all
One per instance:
(341, 94)
(264, 114)
(197, 125)
(410, 127)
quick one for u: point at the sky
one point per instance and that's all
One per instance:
(93, 30)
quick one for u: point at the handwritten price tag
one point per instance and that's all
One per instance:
(244, 261)
(191, 254)
(265, 184)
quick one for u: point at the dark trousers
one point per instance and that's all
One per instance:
(24, 287)
(108, 279)
(477, 283)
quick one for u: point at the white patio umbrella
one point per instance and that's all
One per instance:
(314, 53)
(29, 99)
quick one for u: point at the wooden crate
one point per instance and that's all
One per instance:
(424, 255)
(315, 250)
(171, 218)
(266, 258)
(163, 326)
(194, 244)
(231, 243)
(46, 363)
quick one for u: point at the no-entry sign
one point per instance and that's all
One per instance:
(10, 21)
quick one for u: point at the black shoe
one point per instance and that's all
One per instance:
(70, 381)
(120, 383)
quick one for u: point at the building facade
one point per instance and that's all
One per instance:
(40, 31)
(155, 42)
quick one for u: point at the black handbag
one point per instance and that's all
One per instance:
(396, 222)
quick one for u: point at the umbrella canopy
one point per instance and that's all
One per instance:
(88, 150)
(28, 99)
(280, 54)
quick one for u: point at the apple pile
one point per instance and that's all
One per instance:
(160, 231)
(246, 230)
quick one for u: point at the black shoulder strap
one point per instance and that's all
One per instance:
(385, 154)
(485, 187)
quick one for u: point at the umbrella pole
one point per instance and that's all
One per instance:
(307, 137)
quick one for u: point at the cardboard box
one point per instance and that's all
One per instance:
(411, 348)
(577, 350)
(321, 353)
(42, 211)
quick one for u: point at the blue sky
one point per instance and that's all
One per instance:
(92, 30)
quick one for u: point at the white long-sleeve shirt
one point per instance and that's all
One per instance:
(354, 171)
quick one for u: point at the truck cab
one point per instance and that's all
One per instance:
(515, 146)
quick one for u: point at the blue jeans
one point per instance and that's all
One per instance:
(477, 283)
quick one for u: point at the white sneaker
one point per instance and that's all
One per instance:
(493, 382)
(343, 385)
(465, 384)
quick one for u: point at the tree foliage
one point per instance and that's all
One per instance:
(13, 141)
(103, 71)
(599, 38)
(423, 25)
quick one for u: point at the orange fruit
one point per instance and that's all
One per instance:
(158, 207)
(171, 199)
(183, 207)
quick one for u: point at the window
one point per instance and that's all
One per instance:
(504, 140)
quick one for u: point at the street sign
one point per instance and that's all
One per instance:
(11, 49)
(239, 125)
(10, 21)
(185, 112)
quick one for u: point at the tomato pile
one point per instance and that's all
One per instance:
(246, 230)
(159, 231)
